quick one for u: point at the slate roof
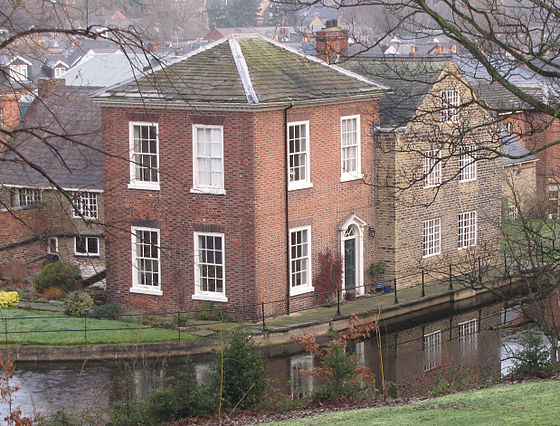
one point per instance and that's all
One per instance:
(247, 69)
(512, 146)
(410, 79)
(68, 111)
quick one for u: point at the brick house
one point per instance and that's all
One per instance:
(437, 203)
(56, 206)
(247, 161)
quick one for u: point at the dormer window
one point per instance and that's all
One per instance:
(19, 72)
(58, 71)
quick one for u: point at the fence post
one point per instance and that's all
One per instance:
(338, 302)
(179, 324)
(423, 291)
(85, 329)
(264, 327)
(6, 331)
(450, 278)
(395, 285)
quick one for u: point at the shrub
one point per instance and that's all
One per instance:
(329, 279)
(52, 293)
(78, 303)
(65, 276)
(243, 373)
(8, 299)
(533, 360)
(107, 311)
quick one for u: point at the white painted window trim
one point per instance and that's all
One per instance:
(135, 183)
(471, 326)
(207, 295)
(349, 176)
(197, 188)
(302, 183)
(295, 291)
(49, 251)
(137, 288)
(432, 341)
(77, 206)
(87, 253)
(432, 168)
(467, 164)
(438, 240)
(19, 72)
(449, 109)
(463, 229)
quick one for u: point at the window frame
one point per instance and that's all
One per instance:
(467, 164)
(450, 106)
(432, 168)
(49, 250)
(346, 176)
(465, 222)
(471, 326)
(86, 245)
(306, 182)
(77, 205)
(19, 193)
(16, 72)
(431, 347)
(197, 188)
(58, 71)
(136, 183)
(136, 287)
(301, 289)
(426, 252)
(199, 294)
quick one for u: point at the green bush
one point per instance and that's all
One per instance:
(534, 359)
(65, 276)
(78, 303)
(107, 311)
(244, 372)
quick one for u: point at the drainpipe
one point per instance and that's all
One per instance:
(286, 202)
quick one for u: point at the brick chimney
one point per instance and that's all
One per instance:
(332, 42)
(48, 85)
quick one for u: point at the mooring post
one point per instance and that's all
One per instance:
(395, 285)
(423, 291)
(338, 302)
(264, 328)
(450, 278)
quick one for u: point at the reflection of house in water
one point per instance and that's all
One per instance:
(301, 384)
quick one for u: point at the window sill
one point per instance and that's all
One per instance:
(296, 291)
(467, 180)
(432, 186)
(150, 291)
(431, 255)
(210, 297)
(144, 185)
(86, 255)
(466, 247)
(350, 177)
(208, 191)
(299, 185)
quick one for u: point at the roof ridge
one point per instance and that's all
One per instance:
(243, 70)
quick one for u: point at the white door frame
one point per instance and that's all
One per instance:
(359, 225)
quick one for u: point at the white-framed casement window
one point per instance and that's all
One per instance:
(432, 168)
(450, 101)
(351, 167)
(86, 246)
(58, 71)
(300, 260)
(144, 155)
(467, 164)
(52, 247)
(432, 350)
(25, 197)
(19, 72)
(208, 159)
(431, 237)
(209, 267)
(146, 261)
(467, 229)
(86, 205)
(298, 155)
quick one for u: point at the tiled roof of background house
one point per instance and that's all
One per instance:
(73, 161)
(410, 79)
(246, 69)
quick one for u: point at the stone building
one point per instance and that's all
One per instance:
(247, 160)
(438, 193)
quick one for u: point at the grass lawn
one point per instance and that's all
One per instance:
(528, 403)
(41, 328)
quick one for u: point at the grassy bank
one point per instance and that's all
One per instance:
(528, 403)
(44, 328)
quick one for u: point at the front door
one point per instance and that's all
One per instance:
(350, 264)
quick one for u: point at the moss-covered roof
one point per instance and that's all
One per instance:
(410, 80)
(246, 69)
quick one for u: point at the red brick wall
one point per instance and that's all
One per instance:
(175, 210)
(9, 103)
(332, 43)
(27, 227)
